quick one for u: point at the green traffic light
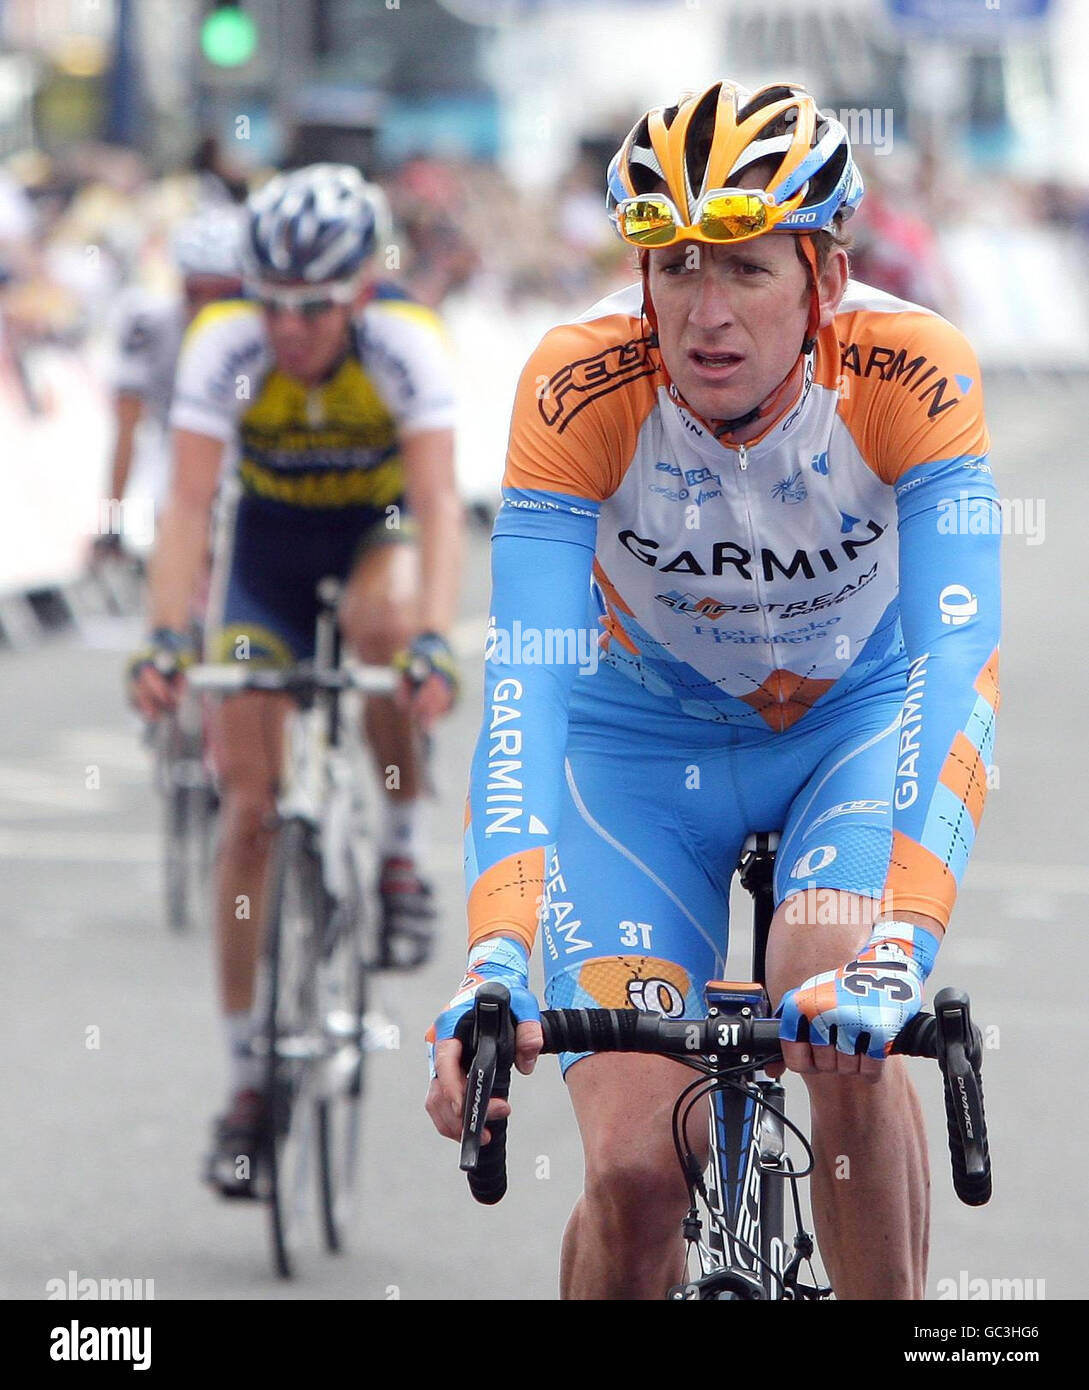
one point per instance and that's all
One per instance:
(228, 37)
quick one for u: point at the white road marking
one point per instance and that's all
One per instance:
(82, 846)
(47, 791)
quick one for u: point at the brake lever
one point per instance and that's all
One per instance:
(960, 1057)
(483, 1045)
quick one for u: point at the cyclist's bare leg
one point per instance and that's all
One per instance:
(247, 739)
(377, 618)
(624, 1236)
(871, 1183)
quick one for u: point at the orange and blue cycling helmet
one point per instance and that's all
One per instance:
(676, 175)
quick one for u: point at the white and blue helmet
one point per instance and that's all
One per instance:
(313, 226)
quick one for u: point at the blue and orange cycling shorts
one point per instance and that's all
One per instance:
(656, 809)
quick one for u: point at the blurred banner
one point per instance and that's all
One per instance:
(967, 18)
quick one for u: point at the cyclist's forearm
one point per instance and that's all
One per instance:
(129, 409)
(517, 779)
(441, 548)
(431, 493)
(950, 614)
(177, 564)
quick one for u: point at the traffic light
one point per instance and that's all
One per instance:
(228, 36)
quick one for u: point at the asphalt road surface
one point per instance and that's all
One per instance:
(114, 1058)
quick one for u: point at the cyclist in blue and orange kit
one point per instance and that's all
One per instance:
(748, 471)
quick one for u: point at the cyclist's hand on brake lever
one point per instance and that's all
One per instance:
(497, 958)
(153, 671)
(429, 677)
(846, 1020)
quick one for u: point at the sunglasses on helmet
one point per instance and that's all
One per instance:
(722, 215)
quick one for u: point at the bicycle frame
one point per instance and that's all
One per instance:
(727, 1047)
(321, 777)
(744, 1248)
(744, 1201)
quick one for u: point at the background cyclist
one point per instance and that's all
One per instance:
(333, 394)
(206, 249)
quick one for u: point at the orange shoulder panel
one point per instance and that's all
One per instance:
(910, 389)
(582, 398)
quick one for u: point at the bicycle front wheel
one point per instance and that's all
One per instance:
(189, 811)
(339, 1117)
(293, 1038)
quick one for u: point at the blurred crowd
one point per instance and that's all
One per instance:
(73, 231)
(76, 230)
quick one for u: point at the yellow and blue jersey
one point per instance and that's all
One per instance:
(337, 444)
(316, 471)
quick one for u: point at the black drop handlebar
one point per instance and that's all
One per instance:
(487, 1039)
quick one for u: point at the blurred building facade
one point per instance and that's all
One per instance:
(526, 81)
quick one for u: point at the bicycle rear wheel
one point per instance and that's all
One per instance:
(293, 1039)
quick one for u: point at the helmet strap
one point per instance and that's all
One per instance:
(648, 304)
(809, 251)
(772, 405)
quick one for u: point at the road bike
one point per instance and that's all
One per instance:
(734, 1229)
(312, 989)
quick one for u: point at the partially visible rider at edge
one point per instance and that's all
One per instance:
(331, 394)
(752, 477)
(207, 252)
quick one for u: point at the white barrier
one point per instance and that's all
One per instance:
(52, 467)
(1023, 295)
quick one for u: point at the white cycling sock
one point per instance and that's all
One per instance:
(402, 829)
(246, 1070)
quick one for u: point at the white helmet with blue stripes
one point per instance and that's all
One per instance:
(313, 226)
